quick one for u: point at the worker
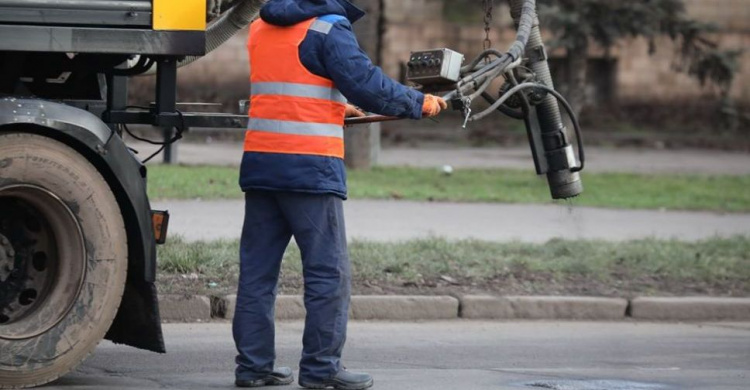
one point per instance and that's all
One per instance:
(305, 65)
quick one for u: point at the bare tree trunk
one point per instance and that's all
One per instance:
(729, 115)
(363, 141)
(577, 62)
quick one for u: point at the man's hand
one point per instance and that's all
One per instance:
(353, 112)
(433, 105)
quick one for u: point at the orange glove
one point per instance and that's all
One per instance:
(433, 105)
(353, 112)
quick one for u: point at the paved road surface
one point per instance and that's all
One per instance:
(399, 220)
(599, 159)
(456, 356)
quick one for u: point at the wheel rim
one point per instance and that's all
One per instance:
(43, 265)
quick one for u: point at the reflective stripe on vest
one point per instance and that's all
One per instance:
(296, 128)
(297, 90)
(292, 110)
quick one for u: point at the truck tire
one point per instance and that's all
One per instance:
(63, 259)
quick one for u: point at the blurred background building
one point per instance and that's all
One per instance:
(628, 72)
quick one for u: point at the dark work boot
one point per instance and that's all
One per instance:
(279, 377)
(344, 380)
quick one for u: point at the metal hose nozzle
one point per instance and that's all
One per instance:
(550, 144)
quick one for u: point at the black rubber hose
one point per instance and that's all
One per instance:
(479, 58)
(503, 108)
(524, 13)
(549, 111)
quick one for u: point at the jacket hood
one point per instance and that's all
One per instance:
(291, 12)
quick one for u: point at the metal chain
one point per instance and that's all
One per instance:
(487, 23)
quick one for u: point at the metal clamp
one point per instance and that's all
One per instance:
(537, 54)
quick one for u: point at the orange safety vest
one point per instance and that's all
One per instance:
(292, 110)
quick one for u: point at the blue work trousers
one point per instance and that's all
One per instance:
(316, 221)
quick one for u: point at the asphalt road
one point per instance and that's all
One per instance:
(456, 355)
(399, 220)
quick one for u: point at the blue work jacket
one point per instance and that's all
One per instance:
(334, 55)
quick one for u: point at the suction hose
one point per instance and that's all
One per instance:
(564, 182)
(218, 32)
(237, 18)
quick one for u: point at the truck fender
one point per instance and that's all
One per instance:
(137, 323)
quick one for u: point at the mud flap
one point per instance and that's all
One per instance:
(138, 322)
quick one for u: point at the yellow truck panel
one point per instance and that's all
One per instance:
(179, 15)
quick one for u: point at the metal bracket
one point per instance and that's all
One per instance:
(537, 54)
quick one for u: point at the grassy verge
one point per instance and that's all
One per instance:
(437, 266)
(617, 190)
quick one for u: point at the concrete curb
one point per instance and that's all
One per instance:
(543, 308)
(180, 308)
(404, 308)
(690, 309)
(288, 307)
(184, 308)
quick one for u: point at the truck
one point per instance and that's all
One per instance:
(78, 235)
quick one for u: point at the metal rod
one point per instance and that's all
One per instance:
(370, 119)
(383, 118)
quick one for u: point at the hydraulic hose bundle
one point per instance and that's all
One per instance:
(552, 151)
(527, 95)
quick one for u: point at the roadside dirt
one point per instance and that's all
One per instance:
(519, 283)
